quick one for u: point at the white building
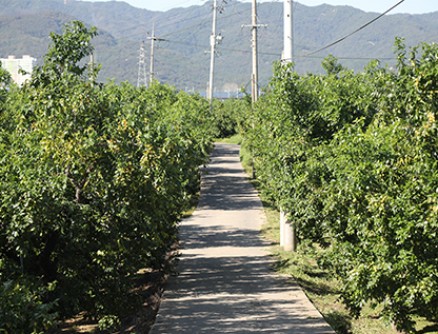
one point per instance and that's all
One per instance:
(13, 66)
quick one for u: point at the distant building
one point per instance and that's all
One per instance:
(13, 66)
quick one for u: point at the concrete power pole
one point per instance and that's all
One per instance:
(153, 38)
(288, 235)
(255, 63)
(288, 32)
(152, 62)
(213, 42)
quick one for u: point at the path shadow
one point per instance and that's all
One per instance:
(226, 282)
(236, 295)
(228, 190)
(196, 237)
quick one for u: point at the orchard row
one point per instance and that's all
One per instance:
(93, 180)
(353, 158)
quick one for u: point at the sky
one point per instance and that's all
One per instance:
(408, 6)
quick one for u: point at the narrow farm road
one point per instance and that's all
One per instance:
(226, 282)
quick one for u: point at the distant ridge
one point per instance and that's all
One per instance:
(181, 58)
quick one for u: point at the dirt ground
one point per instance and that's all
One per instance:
(150, 286)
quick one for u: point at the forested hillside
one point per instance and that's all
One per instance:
(181, 58)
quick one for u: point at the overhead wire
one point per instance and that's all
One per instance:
(357, 30)
(169, 23)
(204, 17)
(204, 46)
(311, 55)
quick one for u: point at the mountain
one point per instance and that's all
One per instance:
(181, 57)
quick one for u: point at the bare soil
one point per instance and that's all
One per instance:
(150, 287)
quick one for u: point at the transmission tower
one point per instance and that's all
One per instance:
(142, 78)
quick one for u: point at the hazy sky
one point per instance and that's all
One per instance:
(409, 6)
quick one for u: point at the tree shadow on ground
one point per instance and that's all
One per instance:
(340, 322)
(429, 329)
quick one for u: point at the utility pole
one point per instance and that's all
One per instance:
(213, 42)
(288, 32)
(141, 78)
(153, 38)
(255, 63)
(288, 233)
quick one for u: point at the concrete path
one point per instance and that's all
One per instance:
(226, 284)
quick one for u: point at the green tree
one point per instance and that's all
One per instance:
(352, 158)
(93, 181)
(331, 65)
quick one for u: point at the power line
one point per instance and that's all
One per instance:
(347, 58)
(203, 20)
(305, 56)
(171, 22)
(203, 46)
(357, 30)
(197, 24)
